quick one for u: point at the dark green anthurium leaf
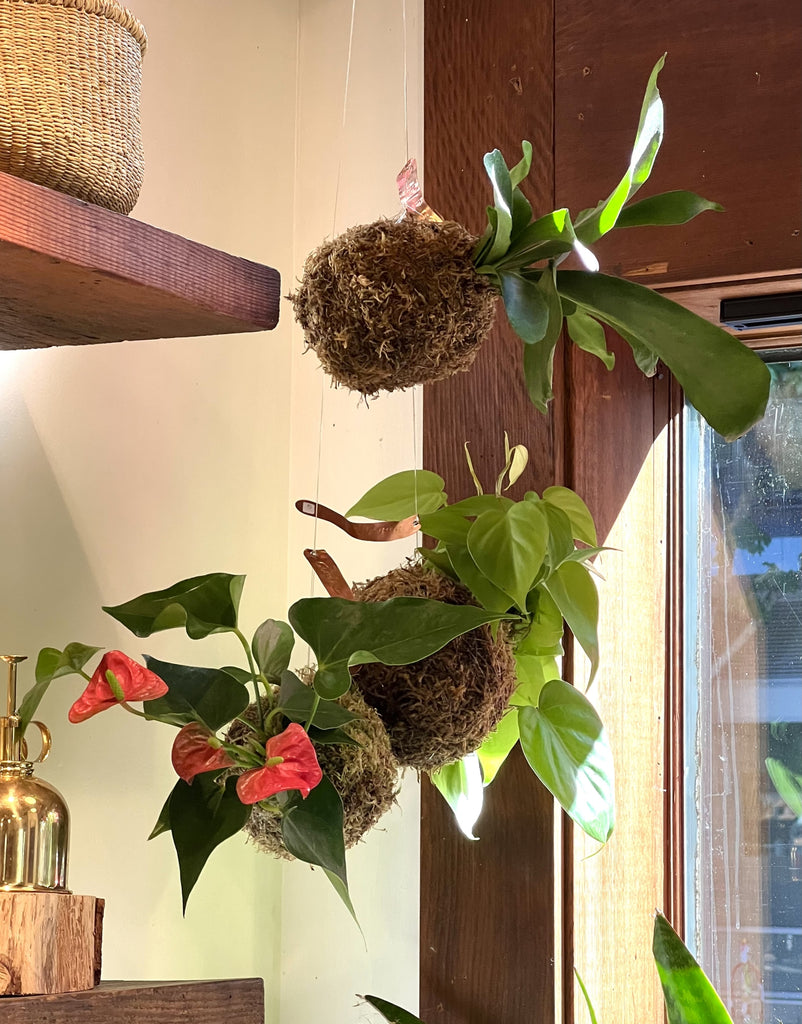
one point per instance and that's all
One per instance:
(312, 830)
(499, 175)
(395, 632)
(723, 379)
(565, 744)
(50, 665)
(332, 736)
(401, 495)
(787, 783)
(470, 575)
(582, 524)
(689, 996)
(392, 1013)
(163, 821)
(297, 700)
(202, 816)
(241, 675)
(460, 785)
(588, 334)
(539, 358)
(592, 224)
(575, 594)
(665, 209)
(207, 695)
(202, 605)
(272, 646)
(509, 545)
(525, 306)
(496, 747)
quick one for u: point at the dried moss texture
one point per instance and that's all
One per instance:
(443, 707)
(366, 778)
(388, 305)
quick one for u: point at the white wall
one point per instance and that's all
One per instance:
(128, 467)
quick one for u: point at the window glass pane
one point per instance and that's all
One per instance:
(743, 602)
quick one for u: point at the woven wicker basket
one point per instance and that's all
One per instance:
(70, 73)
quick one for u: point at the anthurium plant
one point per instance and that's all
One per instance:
(723, 379)
(528, 562)
(249, 735)
(688, 994)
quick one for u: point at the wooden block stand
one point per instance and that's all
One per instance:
(240, 1001)
(49, 942)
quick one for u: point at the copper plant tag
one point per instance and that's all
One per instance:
(327, 571)
(361, 531)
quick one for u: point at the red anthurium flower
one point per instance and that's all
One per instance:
(132, 680)
(291, 764)
(193, 754)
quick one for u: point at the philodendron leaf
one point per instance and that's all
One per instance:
(575, 594)
(509, 545)
(581, 520)
(312, 830)
(297, 700)
(722, 378)
(470, 575)
(202, 605)
(539, 358)
(272, 646)
(787, 783)
(395, 632)
(564, 742)
(588, 334)
(592, 224)
(460, 785)
(665, 209)
(50, 664)
(392, 1013)
(401, 495)
(689, 996)
(202, 816)
(496, 747)
(207, 695)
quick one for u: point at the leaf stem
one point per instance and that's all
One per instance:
(255, 676)
(313, 712)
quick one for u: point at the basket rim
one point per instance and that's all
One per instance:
(111, 9)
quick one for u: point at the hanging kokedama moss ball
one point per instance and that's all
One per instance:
(439, 709)
(366, 777)
(392, 304)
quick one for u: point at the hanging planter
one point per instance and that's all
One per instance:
(441, 708)
(387, 306)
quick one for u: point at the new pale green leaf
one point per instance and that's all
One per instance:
(400, 496)
(509, 545)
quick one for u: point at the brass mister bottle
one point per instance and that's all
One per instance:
(34, 821)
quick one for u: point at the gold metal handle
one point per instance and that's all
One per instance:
(46, 744)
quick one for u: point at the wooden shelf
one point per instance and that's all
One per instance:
(76, 274)
(143, 1002)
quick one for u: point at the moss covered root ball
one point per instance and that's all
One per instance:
(439, 709)
(392, 304)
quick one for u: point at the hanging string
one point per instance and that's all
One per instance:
(406, 80)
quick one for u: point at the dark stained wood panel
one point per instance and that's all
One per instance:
(487, 910)
(144, 1002)
(732, 89)
(72, 273)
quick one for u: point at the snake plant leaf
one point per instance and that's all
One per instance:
(588, 1003)
(584, 529)
(668, 208)
(460, 785)
(392, 1014)
(202, 816)
(592, 224)
(202, 605)
(412, 492)
(206, 695)
(51, 664)
(689, 996)
(722, 378)
(396, 632)
(272, 646)
(588, 334)
(575, 594)
(499, 175)
(564, 742)
(509, 545)
(787, 783)
(496, 748)
(312, 830)
(539, 358)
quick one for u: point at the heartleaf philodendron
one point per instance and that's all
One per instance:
(722, 378)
